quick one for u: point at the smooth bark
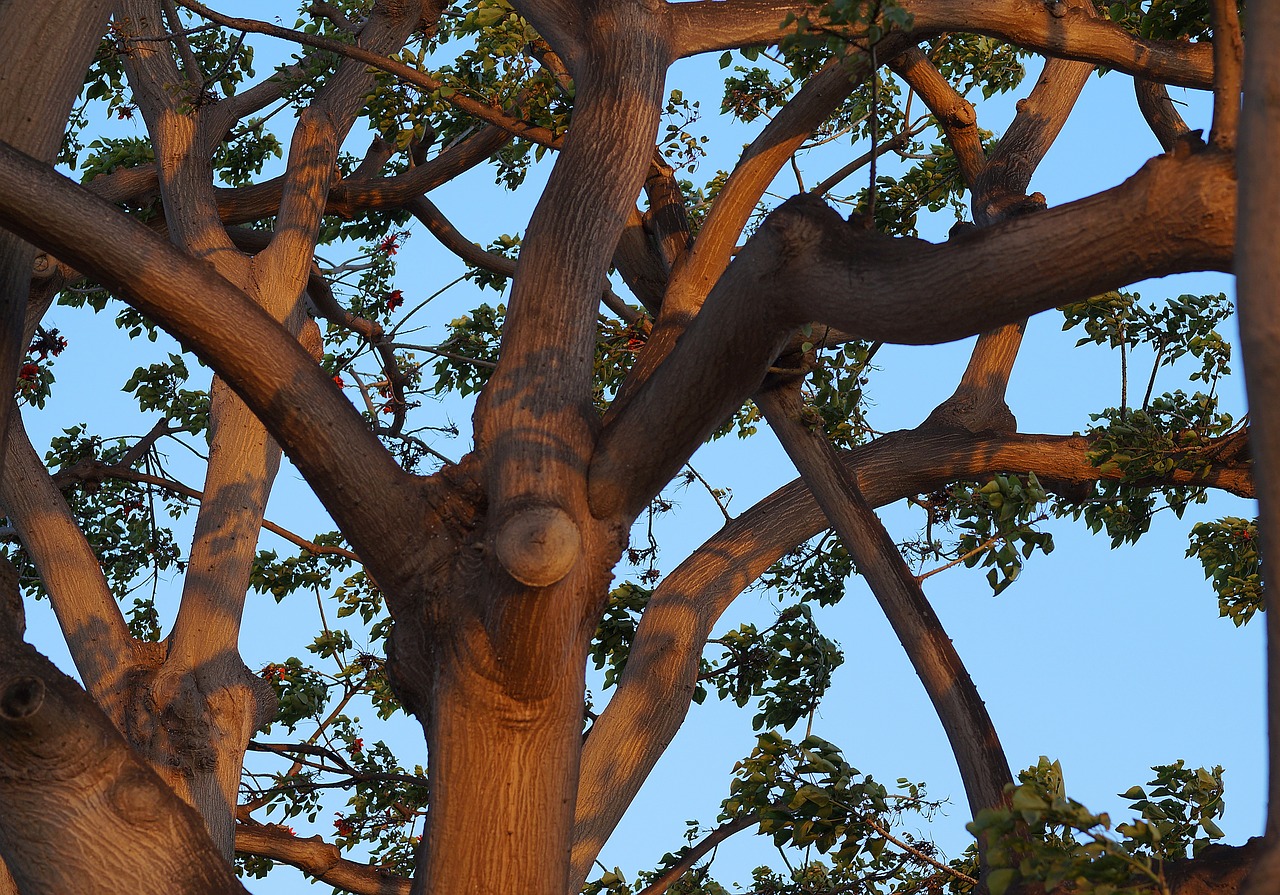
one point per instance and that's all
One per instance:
(1257, 273)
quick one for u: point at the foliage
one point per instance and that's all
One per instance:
(1048, 837)
(1228, 549)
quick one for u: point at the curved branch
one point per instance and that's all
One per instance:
(440, 227)
(806, 265)
(697, 852)
(1051, 29)
(319, 429)
(319, 859)
(1158, 110)
(656, 688)
(955, 114)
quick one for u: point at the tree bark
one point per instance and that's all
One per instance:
(1257, 273)
(98, 820)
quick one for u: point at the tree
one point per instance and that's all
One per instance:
(496, 568)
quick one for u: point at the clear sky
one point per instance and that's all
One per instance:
(1110, 661)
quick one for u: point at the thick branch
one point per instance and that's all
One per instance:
(701, 267)
(47, 48)
(1000, 192)
(1228, 68)
(543, 382)
(714, 25)
(314, 148)
(955, 114)
(1041, 115)
(805, 264)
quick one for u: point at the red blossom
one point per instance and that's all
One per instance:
(47, 342)
(395, 298)
(390, 245)
(28, 372)
(357, 746)
(337, 380)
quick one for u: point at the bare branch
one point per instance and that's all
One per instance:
(97, 472)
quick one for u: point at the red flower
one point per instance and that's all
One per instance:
(390, 245)
(337, 380)
(357, 746)
(29, 372)
(395, 298)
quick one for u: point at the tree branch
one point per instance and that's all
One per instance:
(1051, 29)
(544, 378)
(697, 852)
(1228, 68)
(701, 267)
(87, 612)
(806, 265)
(474, 107)
(955, 114)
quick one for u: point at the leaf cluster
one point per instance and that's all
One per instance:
(1046, 837)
